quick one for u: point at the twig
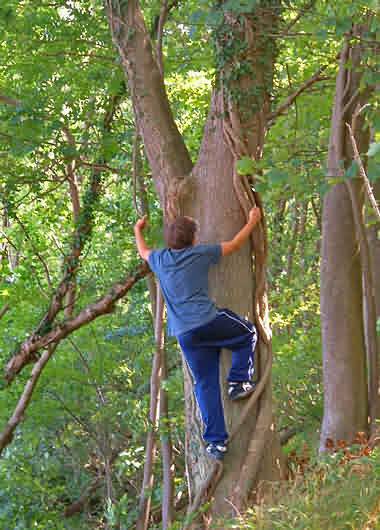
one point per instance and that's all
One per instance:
(88, 370)
(99, 166)
(295, 104)
(283, 107)
(302, 11)
(10, 101)
(157, 310)
(150, 451)
(358, 160)
(370, 321)
(78, 505)
(352, 99)
(40, 258)
(85, 426)
(9, 241)
(3, 310)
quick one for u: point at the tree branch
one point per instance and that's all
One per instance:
(283, 107)
(70, 169)
(27, 351)
(18, 415)
(78, 505)
(10, 101)
(76, 208)
(164, 11)
(81, 235)
(4, 310)
(164, 145)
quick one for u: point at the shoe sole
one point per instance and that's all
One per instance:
(243, 396)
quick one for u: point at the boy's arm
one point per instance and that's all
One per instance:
(142, 247)
(228, 247)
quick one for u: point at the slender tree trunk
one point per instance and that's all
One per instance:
(344, 353)
(302, 232)
(374, 248)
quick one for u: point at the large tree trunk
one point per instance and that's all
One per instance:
(216, 206)
(344, 352)
(210, 196)
(235, 128)
(344, 369)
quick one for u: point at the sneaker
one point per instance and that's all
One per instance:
(216, 450)
(240, 389)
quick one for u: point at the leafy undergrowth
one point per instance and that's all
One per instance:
(339, 491)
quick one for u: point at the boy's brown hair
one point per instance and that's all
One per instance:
(181, 233)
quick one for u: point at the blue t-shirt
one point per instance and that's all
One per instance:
(183, 276)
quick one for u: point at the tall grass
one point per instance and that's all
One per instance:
(334, 493)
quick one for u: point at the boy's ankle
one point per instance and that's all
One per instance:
(240, 389)
(216, 450)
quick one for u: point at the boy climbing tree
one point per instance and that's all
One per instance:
(201, 328)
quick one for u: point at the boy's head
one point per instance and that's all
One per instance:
(181, 233)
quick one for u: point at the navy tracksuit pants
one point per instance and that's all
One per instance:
(202, 347)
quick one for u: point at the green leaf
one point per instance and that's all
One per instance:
(352, 171)
(69, 151)
(277, 176)
(245, 166)
(373, 170)
(374, 148)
